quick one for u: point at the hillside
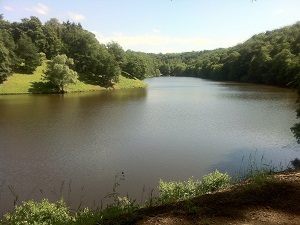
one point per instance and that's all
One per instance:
(270, 58)
(34, 84)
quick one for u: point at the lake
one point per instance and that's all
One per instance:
(74, 145)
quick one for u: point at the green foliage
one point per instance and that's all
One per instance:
(104, 69)
(165, 69)
(33, 28)
(91, 59)
(53, 43)
(174, 191)
(118, 53)
(214, 181)
(270, 58)
(5, 63)
(296, 131)
(135, 66)
(7, 54)
(121, 212)
(258, 179)
(27, 53)
(59, 74)
(87, 217)
(126, 83)
(42, 213)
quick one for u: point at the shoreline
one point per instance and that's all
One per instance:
(80, 87)
(31, 84)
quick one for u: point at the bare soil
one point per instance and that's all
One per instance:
(275, 201)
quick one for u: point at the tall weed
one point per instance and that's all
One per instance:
(175, 191)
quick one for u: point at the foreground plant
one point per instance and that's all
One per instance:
(175, 191)
(214, 181)
(44, 213)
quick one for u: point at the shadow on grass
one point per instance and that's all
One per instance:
(95, 80)
(42, 88)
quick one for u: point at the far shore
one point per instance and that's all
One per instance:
(18, 84)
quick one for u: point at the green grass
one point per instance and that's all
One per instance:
(21, 83)
(34, 84)
(125, 83)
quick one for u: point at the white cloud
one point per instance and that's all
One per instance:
(147, 39)
(155, 43)
(8, 8)
(40, 9)
(155, 31)
(278, 12)
(76, 17)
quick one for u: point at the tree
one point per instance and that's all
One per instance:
(102, 69)
(117, 51)
(165, 69)
(27, 54)
(283, 67)
(7, 47)
(135, 66)
(33, 28)
(5, 63)
(92, 60)
(59, 73)
(53, 43)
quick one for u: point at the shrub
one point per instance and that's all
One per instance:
(87, 217)
(42, 213)
(214, 181)
(174, 191)
(257, 179)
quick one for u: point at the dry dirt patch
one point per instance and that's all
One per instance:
(277, 201)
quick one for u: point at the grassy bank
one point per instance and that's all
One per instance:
(34, 84)
(263, 198)
(125, 83)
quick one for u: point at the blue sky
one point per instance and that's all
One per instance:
(163, 25)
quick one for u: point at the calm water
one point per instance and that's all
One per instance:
(74, 145)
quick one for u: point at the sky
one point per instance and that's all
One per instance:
(163, 26)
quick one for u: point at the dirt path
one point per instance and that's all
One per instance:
(276, 201)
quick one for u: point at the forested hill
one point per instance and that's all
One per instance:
(269, 58)
(24, 45)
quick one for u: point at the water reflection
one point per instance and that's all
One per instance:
(239, 162)
(258, 93)
(174, 129)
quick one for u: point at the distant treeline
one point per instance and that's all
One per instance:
(23, 46)
(271, 58)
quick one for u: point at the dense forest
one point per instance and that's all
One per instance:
(23, 46)
(271, 58)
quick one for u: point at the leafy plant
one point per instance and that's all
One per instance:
(115, 210)
(214, 181)
(173, 191)
(258, 179)
(44, 213)
(59, 73)
(87, 216)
